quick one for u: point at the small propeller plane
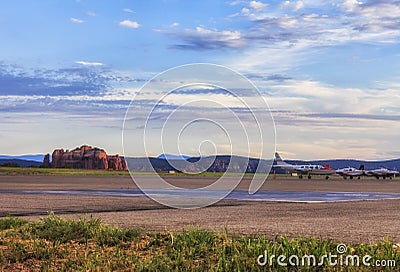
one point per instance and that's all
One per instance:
(351, 172)
(304, 169)
(382, 172)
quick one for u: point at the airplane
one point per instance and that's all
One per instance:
(351, 172)
(303, 169)
(382, 172)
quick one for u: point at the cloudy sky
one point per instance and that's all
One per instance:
(329, 70)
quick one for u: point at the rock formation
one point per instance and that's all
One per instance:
(46, 161)
(85, 157)
(117, 163)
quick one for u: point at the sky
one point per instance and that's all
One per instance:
(329, 70)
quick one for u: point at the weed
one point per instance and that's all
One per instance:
(11, 222)
(87, 244)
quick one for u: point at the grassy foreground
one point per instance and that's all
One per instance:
(54, 244)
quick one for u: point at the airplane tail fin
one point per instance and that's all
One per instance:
(361, 167)
(279, 160)
(327, 166)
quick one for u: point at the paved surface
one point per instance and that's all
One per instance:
(349, 221)
(264, 195)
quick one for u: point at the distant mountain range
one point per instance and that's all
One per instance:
(35, 160)
(169, 162)
(240, 164)
(194, 164)
(31, 157)
(21, 163)
(173, 157)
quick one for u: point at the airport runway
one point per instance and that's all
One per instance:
(59, 182)
(241, 195)
(301, 213)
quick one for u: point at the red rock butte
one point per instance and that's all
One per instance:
(85, 157)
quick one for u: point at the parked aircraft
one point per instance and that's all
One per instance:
(351, 172)
(303, 169)
(382, 172)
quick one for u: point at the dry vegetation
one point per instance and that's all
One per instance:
(54, 244)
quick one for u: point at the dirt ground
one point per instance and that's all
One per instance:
(355, 221)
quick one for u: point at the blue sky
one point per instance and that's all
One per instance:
(329, 70)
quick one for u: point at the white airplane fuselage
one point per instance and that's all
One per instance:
(350, 172)
(303, 169)
(382, 172)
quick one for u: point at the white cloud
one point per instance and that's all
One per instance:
(245, 11)
(308, 96)
(299, 5)
(285, 4)
(174, 24)
(317, 120)
(129, 23)
(372, 22)
(350, 5)
(76, 20)
(257, 5)
(237, 2)
(87, 63)
(128, 10)
(380, 10)
(202, 38)
(90, 13)
(274, 59)
(287, 21)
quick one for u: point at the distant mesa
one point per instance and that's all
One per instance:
(85, 157)
(173, 157)
(220, 163)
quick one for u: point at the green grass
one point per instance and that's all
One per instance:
(11, 222)
(83, 172)
(55, 244)
(58, 171)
